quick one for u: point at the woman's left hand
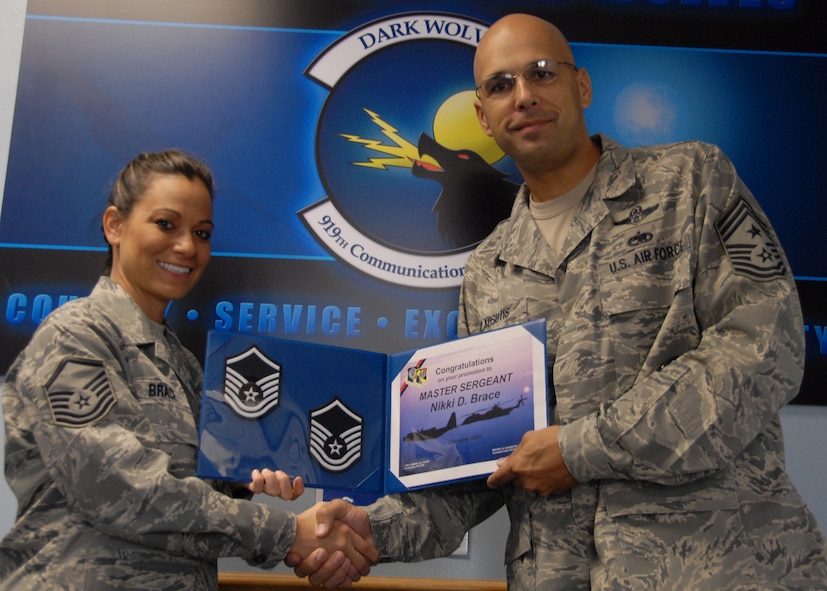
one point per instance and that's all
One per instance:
(276, 484)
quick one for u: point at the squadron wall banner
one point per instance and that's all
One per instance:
(353, 178)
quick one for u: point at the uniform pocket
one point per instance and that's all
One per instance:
(624, 498)
(168, 424)
(673, 538)
(650, 316)
(166, 409)
(646, 277)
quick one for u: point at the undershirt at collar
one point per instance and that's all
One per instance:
(553, 217)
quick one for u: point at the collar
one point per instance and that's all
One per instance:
(135, 326)
(615, 169)
(521, 242)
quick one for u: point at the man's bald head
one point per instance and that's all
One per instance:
(519, 30)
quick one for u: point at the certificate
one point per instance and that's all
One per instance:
(457, 407)
(369, 422)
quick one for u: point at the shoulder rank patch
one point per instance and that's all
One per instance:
(79, 393)
(748, 243)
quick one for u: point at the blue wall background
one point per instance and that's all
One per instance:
(99, 83)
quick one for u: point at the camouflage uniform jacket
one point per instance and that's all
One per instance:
(674, 336)
(101, 440)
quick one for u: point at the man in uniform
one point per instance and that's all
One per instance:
(674, 336)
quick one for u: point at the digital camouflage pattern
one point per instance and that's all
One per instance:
(101, 435)
(675, 334)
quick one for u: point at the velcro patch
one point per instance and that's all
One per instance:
(336, 434)
(252, 383)
(748, 243)
(80, 393)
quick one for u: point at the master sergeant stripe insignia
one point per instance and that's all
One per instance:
(79, 393)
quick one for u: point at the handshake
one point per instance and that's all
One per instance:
(333, 545)
(334, 542)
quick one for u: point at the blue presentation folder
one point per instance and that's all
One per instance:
(355, 420)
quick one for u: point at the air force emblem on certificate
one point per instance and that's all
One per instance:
(79, 393)
(749, 244)
(252, 383)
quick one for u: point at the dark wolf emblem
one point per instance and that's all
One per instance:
(252, 383)
(335, 436)
(475, 196)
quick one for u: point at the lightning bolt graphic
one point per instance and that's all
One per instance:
(401, 153)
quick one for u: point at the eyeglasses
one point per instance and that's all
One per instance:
(539, 73)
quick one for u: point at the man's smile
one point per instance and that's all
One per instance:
(530, 124)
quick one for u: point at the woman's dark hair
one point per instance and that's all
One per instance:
(133, 181)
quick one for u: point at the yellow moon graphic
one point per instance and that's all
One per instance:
(456, 127)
